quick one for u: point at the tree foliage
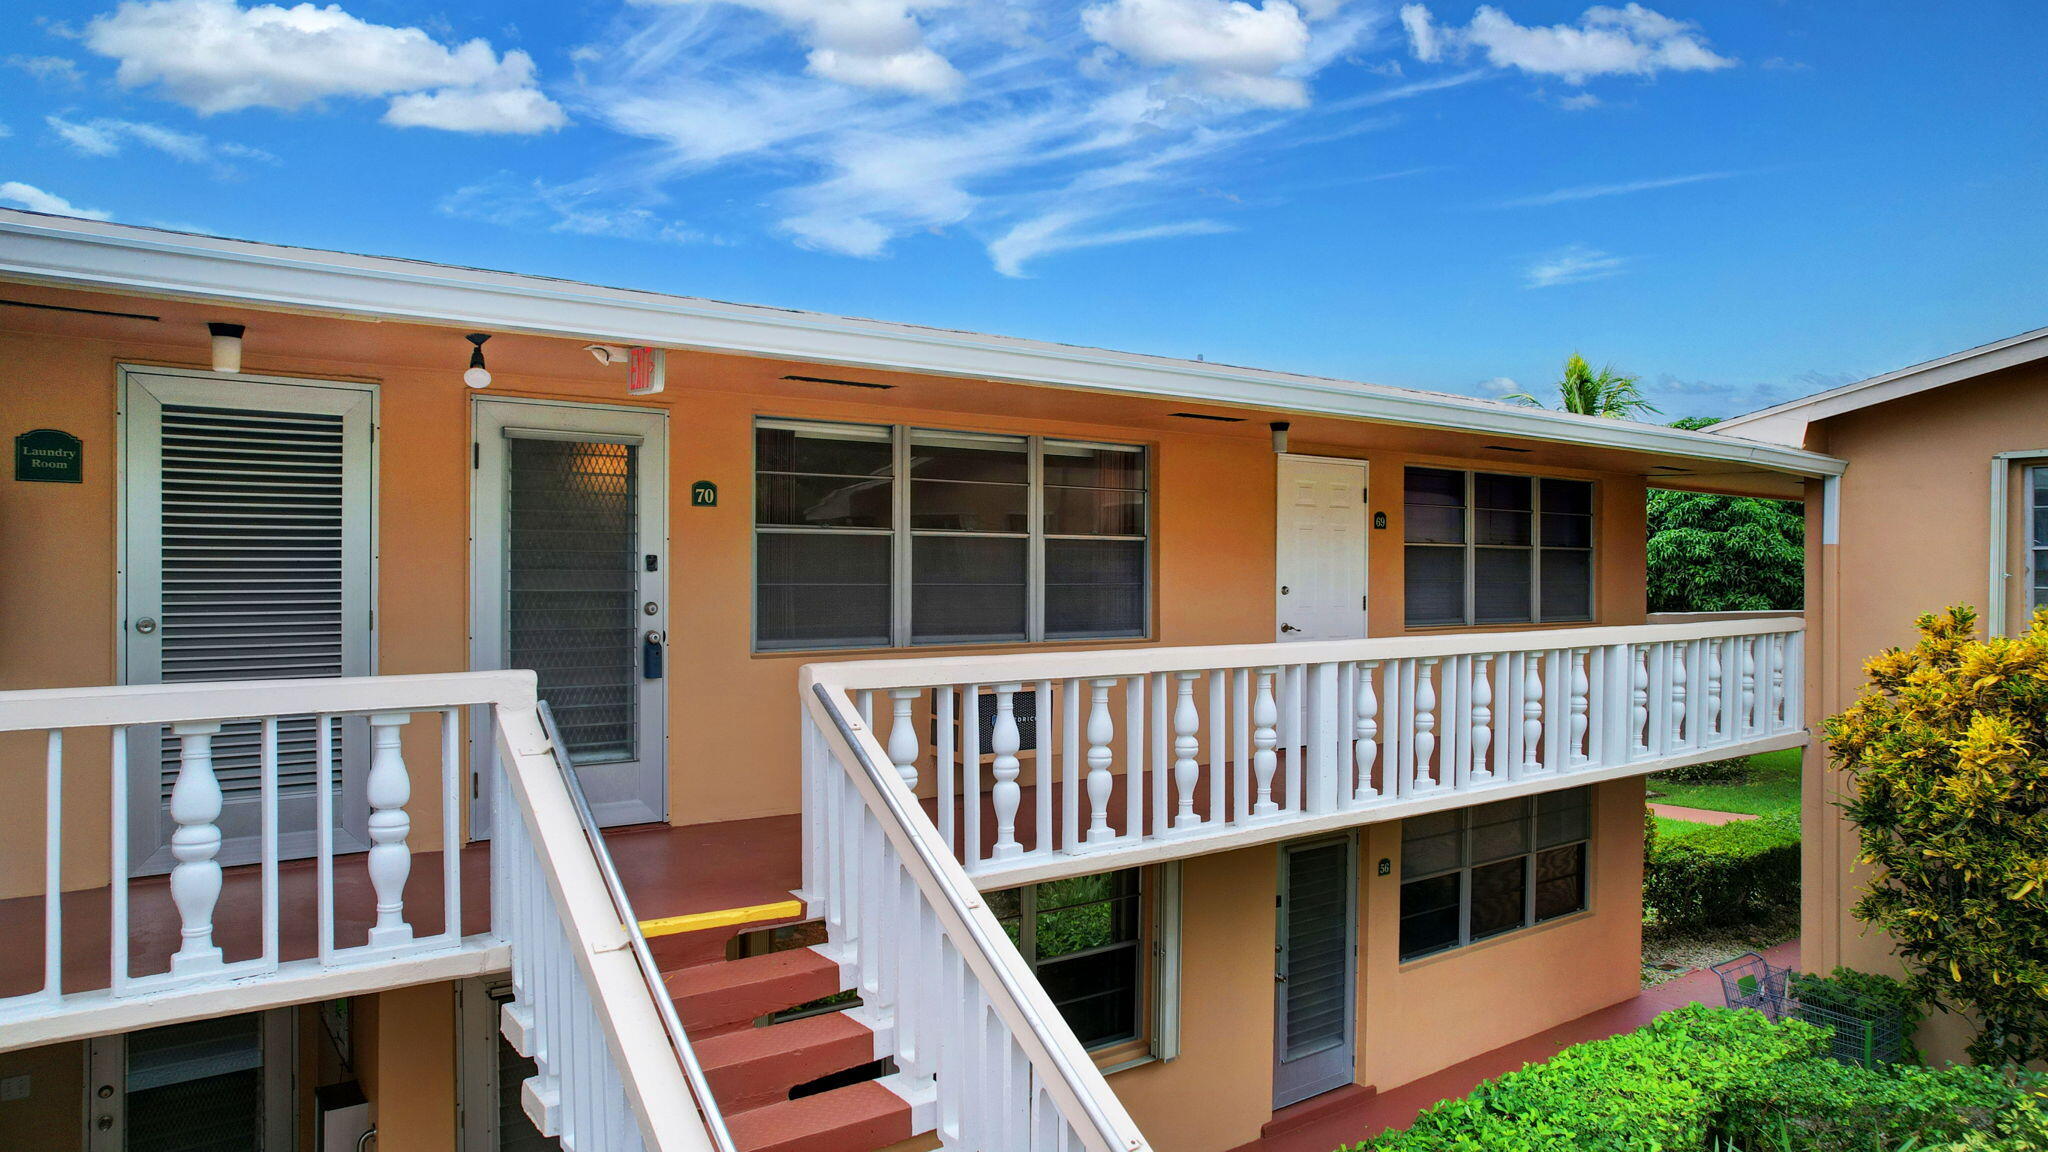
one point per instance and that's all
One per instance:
(1947, 747)
(1711, 553)
(1589, 393)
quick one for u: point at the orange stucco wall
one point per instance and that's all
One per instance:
(1914, 536)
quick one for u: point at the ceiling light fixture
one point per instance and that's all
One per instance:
(227, 346)
(477, 376)
(1279, 428)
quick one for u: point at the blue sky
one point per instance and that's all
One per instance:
(1740, 202)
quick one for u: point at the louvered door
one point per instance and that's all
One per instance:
(247, 508)
(569, 568)
(1315, 971)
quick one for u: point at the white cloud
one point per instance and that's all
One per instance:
(36, 200)
(585, 210)
(5, 131)
(1068, 231)
(1228, 48)
(1495, 387)
(216, 56)
(864, 43)
(1573, 265)
(49, 69)
(1628, 41)
(107, 137)
(1597, 191)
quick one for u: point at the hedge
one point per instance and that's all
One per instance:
(1706, 1079)
(1737, 873)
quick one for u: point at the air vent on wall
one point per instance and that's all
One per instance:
(840, 383)
(1505, 448)
(80, 311)
(1207, 416)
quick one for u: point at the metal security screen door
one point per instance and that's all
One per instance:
(1314, 1048)
(1320, 561)
(247, 556)
(571, 572)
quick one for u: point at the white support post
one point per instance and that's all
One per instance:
(1101, 734)
(1679, 675)
(1265, 715)
(390, 859)
(903, 751)
(195, 878)
(1532, 713)
(1187, 748)
(1366, 748)
(1482, 715)
(1425, 724)
(1581, 706)
(1712, 721)
(1004, 741)
(1326, 767)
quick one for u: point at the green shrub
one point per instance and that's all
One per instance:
(1730, 771)
(1715, 1080)
(1739, 873)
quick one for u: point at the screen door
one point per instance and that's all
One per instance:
(1314, 987)
(247, 534)
(571, 573)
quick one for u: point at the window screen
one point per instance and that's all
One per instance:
(1083, 937)
(1489, 548)
(824, 500)
(1476, 872)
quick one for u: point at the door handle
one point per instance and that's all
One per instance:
(1280, 977)
(650, 654)
(1289, 628)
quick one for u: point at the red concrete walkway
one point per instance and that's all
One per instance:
(1397, 1108)
(1698, 815)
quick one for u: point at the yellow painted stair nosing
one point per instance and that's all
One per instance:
(723, 918)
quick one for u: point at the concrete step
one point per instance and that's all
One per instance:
(857, 1118)
(727, 995)
(754, 1067)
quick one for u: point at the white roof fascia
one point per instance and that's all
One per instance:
(1786, 423)
(114, 257)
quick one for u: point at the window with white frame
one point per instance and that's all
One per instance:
(2037, 540)
(1471, 873)
(877, 535)
(1085, 939)
(1487, 548)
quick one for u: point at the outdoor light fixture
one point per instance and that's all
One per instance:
(1279, 428)
(608, 354)
(227, 346)
(478, 376)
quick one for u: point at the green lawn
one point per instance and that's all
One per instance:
(1773, 786)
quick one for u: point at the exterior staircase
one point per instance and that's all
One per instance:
(812, 1083)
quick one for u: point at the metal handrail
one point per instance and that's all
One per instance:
(679, 1039)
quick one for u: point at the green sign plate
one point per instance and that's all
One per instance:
(50, 456)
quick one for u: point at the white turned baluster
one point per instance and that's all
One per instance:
(1532, 712)
(1745, 715)
(195, 878)
(1580, 704)
(1425, 723)
(390, 861)
(1678, 676)
(1712, 719)
(1265, 714)
(903, 735)
(1639, 694)
(1187, 770)
(1367, 728)
(1004, 741)
(1774, 712)
(1101, 731)
(1482, 714)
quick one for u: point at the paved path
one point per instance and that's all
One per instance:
(1698, 815)
(1397, 1108)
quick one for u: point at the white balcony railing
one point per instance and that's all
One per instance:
(1047, 764)
(588, 1005)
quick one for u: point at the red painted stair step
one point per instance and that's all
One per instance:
(726, 995)
(758, 1066)
(857, 1118)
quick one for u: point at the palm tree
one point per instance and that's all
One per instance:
(1590, 393)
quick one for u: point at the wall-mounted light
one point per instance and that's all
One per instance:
(1279, 428)
(227, 346)
(608, 354)
(477, 376)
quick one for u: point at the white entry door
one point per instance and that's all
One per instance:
(246, 506)
(1320, 553)
(570, 571)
